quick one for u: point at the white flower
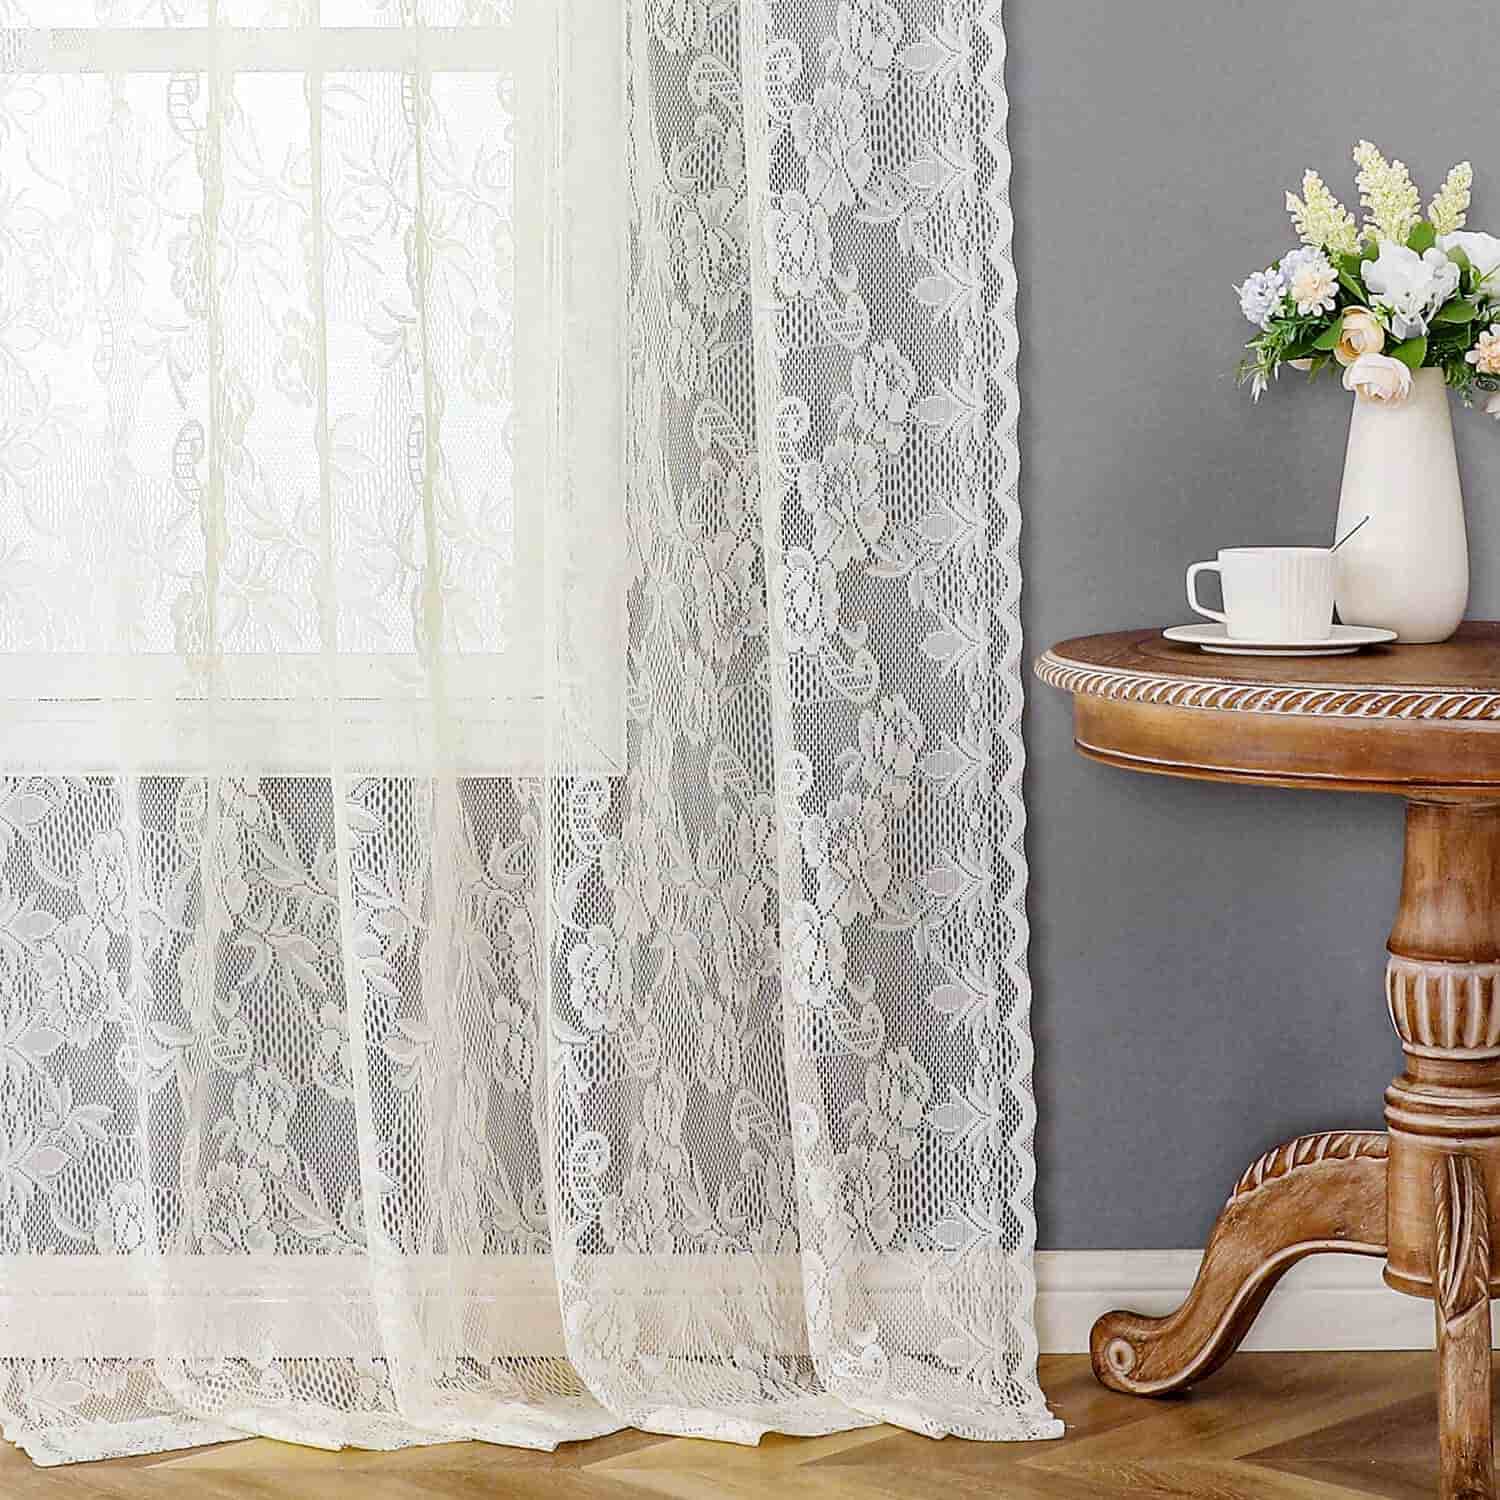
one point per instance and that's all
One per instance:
(1408, 288)
(333, 1067)
(514, 1044)
(730, 608)
(486, 368)
(829, 135)
(1450, 206)
(847, 849)
(231, 1210)
(242, 799)
(757, 839)
(810, 601)
(868, 33)
(263, 1102)
(897, 1092)
(687, 351)
(884, 384)
(719, 1033)
(1312, 283)
(680, 25)
(889, 738)
(1485, 355)
(852, 1199)
(594, 987)
(80, 988)
(799, 248)
(104, 880)
(123, 1224)
(711, 250)
(1388, 193)
(1261, 295)
(1321, 220)
(743, 928)
(638, 1218)
(1377, 377)
(1483, 250)
(660, 1128)
(815, 956)
(842, 494)
(188, 254)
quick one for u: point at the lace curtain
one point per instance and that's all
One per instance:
(511, 877)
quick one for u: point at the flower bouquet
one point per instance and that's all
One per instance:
(1408, 307)
(1401, 294)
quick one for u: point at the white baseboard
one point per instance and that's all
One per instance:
(1325, 1302)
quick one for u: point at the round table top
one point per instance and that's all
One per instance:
(1414, 719)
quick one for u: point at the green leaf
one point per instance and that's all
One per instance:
(1460, 259)
(1411, 353)
(1319, 364)
(1422, 238)
(1456, 312)
(1355, 290)
(1329, 339)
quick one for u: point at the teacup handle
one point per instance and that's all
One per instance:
(1192, 590)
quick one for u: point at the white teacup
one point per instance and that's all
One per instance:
(1271, 594)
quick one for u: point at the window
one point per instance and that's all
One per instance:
(309, 393)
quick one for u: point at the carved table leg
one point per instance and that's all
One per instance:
(1316, 1193)
(1462, 1264)
(1443, 1113)
(1424, 1193)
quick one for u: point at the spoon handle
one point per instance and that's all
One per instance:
(1347, 535)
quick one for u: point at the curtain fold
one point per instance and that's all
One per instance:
(511, 875)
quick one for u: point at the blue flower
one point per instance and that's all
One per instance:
(1261, 296)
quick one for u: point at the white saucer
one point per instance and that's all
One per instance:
(1342, 640)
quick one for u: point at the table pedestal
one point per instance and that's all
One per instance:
(1423, 1193)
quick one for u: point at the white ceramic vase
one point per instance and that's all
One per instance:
(1407, 568)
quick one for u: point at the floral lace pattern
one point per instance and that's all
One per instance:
(394, 1103)
(886, 343)
(792, 1035)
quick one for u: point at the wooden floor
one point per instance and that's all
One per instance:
(1267, 1427)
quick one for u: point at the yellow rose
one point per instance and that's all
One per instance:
(1361, 334)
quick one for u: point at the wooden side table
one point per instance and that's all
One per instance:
(1423, 723)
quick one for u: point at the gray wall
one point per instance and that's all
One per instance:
(1207, 960)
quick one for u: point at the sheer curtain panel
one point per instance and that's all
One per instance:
(511, 874)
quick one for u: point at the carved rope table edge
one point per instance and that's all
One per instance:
(1127, 685)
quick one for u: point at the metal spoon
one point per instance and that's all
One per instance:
(1346, 536)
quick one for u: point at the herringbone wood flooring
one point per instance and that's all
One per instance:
(1267, 1427)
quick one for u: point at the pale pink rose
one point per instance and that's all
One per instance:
(1376, 377)
(1485, 355)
